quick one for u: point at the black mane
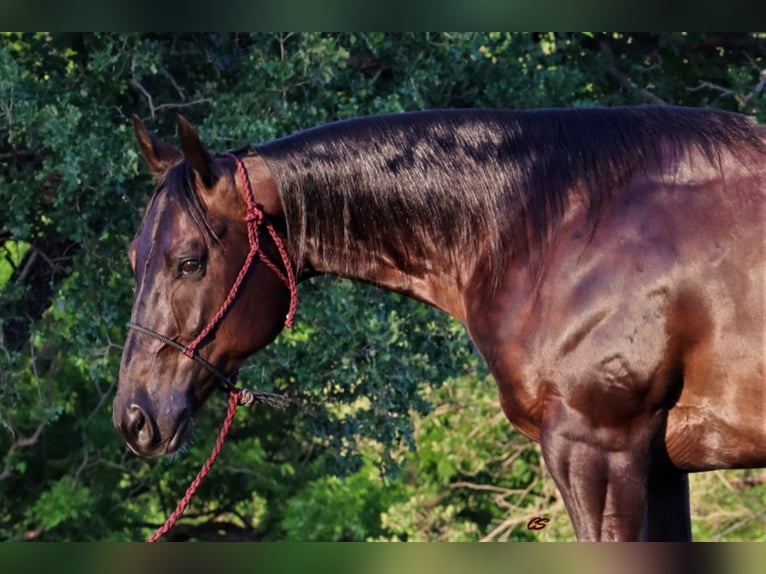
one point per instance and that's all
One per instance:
(178, 183)
(395, 186)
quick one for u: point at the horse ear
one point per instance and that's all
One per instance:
(158, 155)
(193, 150)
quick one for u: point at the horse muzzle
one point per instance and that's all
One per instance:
(145, 436)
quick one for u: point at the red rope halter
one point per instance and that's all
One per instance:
(254, 218)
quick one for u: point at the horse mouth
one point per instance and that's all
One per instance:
(183, 433)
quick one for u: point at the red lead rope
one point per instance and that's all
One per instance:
(254, 218)
(184, 502)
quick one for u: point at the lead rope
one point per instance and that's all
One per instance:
(237, 397)
(234, 398)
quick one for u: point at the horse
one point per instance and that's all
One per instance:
(608, 264)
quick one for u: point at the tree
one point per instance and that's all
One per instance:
(373, 375)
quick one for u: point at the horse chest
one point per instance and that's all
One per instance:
(580, 339)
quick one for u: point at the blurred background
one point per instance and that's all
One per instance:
(395, 431)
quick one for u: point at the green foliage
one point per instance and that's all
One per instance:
(12, 254)
(469, 478)
(333, 508)
(63, 501)
(730, 505)
(395, 432)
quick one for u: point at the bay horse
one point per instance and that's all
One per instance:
(609, 265)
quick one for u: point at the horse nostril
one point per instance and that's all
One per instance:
(138, 421)
(138, 428)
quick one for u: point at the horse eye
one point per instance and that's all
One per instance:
(190, 266)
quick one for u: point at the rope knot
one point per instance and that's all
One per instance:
(245, 397)
(254, 214)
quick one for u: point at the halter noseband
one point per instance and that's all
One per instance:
(254, 218)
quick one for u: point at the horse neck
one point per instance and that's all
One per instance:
(427, 278)
(340, 246)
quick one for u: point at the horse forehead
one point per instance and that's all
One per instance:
(167, 219)
(165, 223)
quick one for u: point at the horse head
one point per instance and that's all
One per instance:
(202, 291)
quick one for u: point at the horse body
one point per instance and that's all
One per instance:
(616, 294)
(640, 352)
(656, 302)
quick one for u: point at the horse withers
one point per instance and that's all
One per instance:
(608, 263)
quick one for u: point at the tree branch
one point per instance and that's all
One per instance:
(19, 153)
(17, 444)
(182, 104)
(611, 66)
(710, 86)
(742, 99)
(179, 89)
(487, 487)
(153, 109)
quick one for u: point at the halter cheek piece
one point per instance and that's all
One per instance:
(254, 219)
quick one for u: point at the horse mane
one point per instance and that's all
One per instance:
(179, 184)
(398, 186)
(395, 186)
